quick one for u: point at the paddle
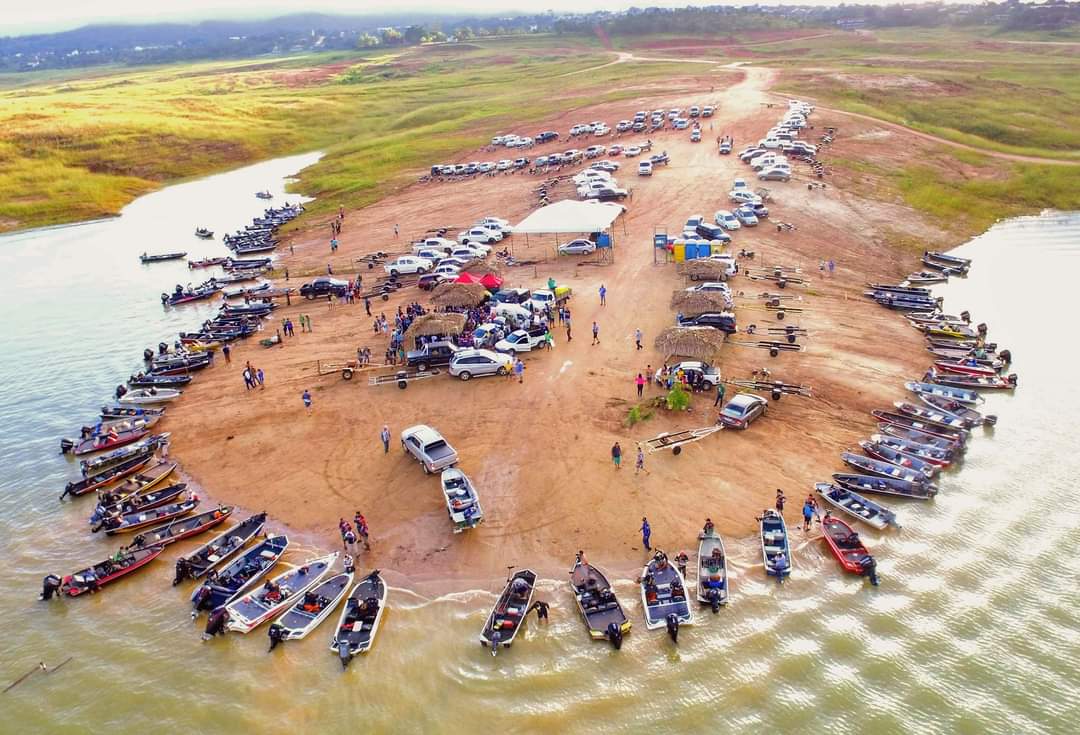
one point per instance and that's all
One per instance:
(40, 667)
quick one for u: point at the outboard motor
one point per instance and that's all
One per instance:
(344, 654)
(277, 635)
(147, 354)
(164, 299)
(966, 316)
(714, 600)
(201, 600)
(981, 329)
(162, 348)
(496, 638)
(1013, 377)
(121, 391)
(215, 623)
(66, 445)
(869, 569)
(1005, 356)
(183, 571)
(50, 586)
(673, 627)
(614, 634)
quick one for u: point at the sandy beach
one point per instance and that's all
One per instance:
(539, 452)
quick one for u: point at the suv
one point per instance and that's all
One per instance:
(468, 364)
(433, 353)
(644, 168)
(479, 234)
(712, 232)
(742, 409)
(693, 368)
(428, 281)
(547, 135)
(407, 264)
(722, 320)
(429, 448)
(323, 286)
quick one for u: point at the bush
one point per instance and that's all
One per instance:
(677, 398)
(633, 416)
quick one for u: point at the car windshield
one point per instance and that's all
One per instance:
(734, 410)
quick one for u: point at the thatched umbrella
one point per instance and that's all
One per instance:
(458, 294)
(699, 343)
(704, 268)
(692, 303)
(434, 323)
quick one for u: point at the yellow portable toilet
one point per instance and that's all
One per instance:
(679, 250)
(717, 247)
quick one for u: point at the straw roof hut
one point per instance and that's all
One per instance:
(434, 323)
(698, 343)
(458, 294)
(692, 303)
(704, 269)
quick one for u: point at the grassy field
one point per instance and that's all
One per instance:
(74, 148)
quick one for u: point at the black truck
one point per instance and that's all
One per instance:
(431, 355)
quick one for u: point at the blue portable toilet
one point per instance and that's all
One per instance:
(691, 249)
(704, 249)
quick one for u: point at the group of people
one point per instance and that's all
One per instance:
(810, 509)
(354, 533)
(254, 377)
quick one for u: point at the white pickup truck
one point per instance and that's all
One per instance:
(429, 448)
(521, 341)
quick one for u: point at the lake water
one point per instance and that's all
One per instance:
(974, 628)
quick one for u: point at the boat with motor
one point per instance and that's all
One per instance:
(885, 486)
(664, 597)
(857, 506)
(248, 611)
(148, 258)
(874, 466)
(959, 395)
(848, 549)
(509, 612)
(360, 618)
(712, 575)
(775, 545)
(597, 603)
(218, 549)
(462, 502)
(93, 578)
(222, 586)
(311, 610)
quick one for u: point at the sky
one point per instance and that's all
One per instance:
(19, 18)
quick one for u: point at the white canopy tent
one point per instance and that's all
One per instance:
(570, 217)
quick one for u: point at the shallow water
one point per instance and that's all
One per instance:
(973, 629)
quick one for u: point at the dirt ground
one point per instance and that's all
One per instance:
(539, 452)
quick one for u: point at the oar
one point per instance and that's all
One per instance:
(40, 667)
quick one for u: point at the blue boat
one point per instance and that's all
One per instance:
(775, 549)
(222, 587)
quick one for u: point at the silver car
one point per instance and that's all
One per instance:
(468, 364)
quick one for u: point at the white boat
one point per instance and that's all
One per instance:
(308, 613)
(855, 505)
(149, 395)
(663, 593)
(712, 576)
(360, 618)
(462, 502)
(775, 548)
(259, 605)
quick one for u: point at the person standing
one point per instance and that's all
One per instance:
(306, 398)
(637, 338)
(780, 500)
(646, 533)
(385, 436)
(367, 305)
(227, 351)
(249, 382)
(640, 382)
(808, 512)
(348, 539)
(519, 370)
(639, 464)
(832, 267)
(595, 333)
(395, 230)
(362, 529)
(260, 377)
(569, 336)
(720, 390)
(616, 455)
(541, 608)
(603, 295)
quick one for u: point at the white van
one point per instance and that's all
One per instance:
(644, 168)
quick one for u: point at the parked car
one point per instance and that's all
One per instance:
(614, 150)
(606, 166)
(594, 151)
(693, 221)
(479, 234)
(759, 209)
(722, 320)
(429, 448)
(746, 216)
(429, 281)
(605, 195)
(631, 150)
(448, 269)
(431, 354)
(429, 254)
(725, 146)
(693, 368)
(694, 111)
(732, 265)
(521, 340)
(468, 364)
(707, 111)
(547, 135)
(504, 164)
(644, 168)
(493, 223)
(749, 154)
(543, 299)
(778, 173)
(695, 136)
(577, 247)
(727, 220)
(323, 286)
(744, 196)
(742, 409)
(660, 159)
(710, 231)
(513, 295)
(484, 335)
(712, 286)
(623, 125)
(404, 264)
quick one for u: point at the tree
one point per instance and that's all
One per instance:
(414, 34)
(464, 33)
(366, 40)
(391, 36)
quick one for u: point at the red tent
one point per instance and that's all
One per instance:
(491, 282)
(468, 278)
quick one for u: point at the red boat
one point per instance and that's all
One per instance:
(94, 578)
(109, 476)
(143, 518)
(109, 440)
(182, 529)
(960, 368)
(848, 548)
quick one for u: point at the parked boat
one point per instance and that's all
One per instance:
(872, 466)
(921, 437)
(142, 518)
(508, 615)
(146, 479)
(712, 576)
(974, 382)
(885, 486)
(205, 234)
(148, 258)
(218, 549)
(960, 395)
(105, 477)
(928, 427)
(951, 260)
(139, 501)
(925, 452)
(968, 368)
(103, 441)
(857, 506)
(181, 295)
(92, 579)
(596, 601)
(462, 503)
(142, 396)
(775, 546)
(933, 414)
(142, 380)
(179, 529)
(307, 613)
(264, 195)
(664, 597)
(249, 611)
(115, 412)
(103, 462)
(206, 262)
(221, 587)
(897, 457)
(359, 621)
(927, 277)
(955, 408)
(848, 549)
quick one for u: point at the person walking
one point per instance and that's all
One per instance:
(348, 539)
(249, 381)
(306, 398)
(395, 230)
(259, 376)
(367, 305)
(227, 351)
(603, 295)
(519, 370)
(720, 390)
(362, 529)
(640, 382)
(637, 338)
(808, 513)
(595, 333)
(616, 455)
(780, 500)
(385, 436)
(541, 608)
(832, 267)
(639, 463)
(569, 336)
(646, 533)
